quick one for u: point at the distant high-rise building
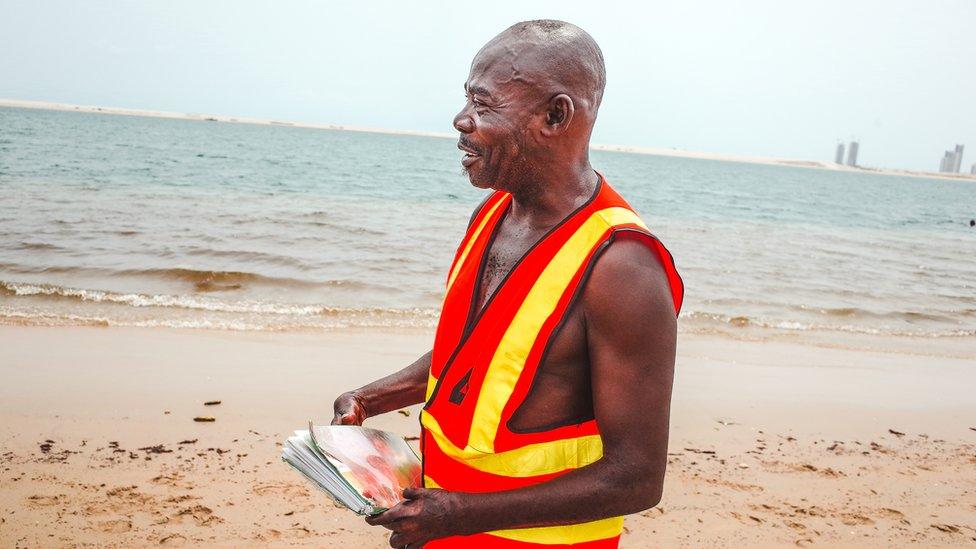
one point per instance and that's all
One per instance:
(852, 153)
(839, 155)
(952, 160)
(973, 169)
(948, 162)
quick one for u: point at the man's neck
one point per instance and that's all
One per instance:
(549, 198)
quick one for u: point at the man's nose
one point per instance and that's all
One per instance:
(463, 121)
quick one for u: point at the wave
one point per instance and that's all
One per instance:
(197, 303)
(36, 246)
(201, 279)
(210, 281)
(350, 320)
(699, 318)
(907, 316)
(247, 256)
(318, 219)
(204, 311)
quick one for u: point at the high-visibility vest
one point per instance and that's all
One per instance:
(483, 364)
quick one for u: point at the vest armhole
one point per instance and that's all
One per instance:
(663, 255)
(577, 292)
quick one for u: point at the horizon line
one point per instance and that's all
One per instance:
(629, 149)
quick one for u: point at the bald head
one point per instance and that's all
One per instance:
(553, 57)
(532, 98)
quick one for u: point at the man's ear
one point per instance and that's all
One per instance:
(559, 115)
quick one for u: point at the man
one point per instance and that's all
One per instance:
(549, 384)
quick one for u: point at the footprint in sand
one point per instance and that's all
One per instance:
(280, 489)
(114, 526)
(45, 501)
(173, 540)
(892, 513)
(854, 519)
(201, 515)
(299, 530)
(742, 487)
(270, 535)
(174, 479)
(798, 526)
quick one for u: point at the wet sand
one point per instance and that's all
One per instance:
(773, 443)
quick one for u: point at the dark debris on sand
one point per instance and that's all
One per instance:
(157, 449)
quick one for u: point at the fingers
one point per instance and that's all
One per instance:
(386, 517)
(349, 410)
(413, 493)
(401, 540)
(408, 540)
(345, 419)
(406, 530)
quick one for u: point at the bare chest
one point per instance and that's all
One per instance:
(561, 392)
(510, 244)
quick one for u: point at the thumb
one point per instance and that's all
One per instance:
(414, 493)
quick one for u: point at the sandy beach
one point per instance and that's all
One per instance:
(773, 443)
(214, 222)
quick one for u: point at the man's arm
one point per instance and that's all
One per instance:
(406, 387)
(631, 331)
(403, 388)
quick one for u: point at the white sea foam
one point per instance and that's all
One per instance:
(262, 324)
(705, 321)
(277, 227)
(208, 304)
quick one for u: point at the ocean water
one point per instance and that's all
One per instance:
(114, 220)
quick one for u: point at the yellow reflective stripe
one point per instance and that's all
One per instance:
(570, 533)
(509, 359)
(541, 458)
(431, 383)
(550, 535)
(470, 242)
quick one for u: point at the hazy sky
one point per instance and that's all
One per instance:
(769, 78)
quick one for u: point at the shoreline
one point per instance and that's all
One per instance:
(962, 346)
(651, 151)
(773, 443)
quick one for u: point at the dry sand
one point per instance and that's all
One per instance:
(773, 444)
(655, 151)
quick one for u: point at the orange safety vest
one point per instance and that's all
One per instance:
(483, 364)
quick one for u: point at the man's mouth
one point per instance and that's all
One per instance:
(470, 156)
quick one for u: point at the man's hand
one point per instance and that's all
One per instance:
(349, 410)
(395, 391)
(424, 515)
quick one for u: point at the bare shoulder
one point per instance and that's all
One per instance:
(628, 287)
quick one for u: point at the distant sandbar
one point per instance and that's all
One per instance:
(654, 151)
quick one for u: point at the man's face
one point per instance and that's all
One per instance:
(496, 122)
